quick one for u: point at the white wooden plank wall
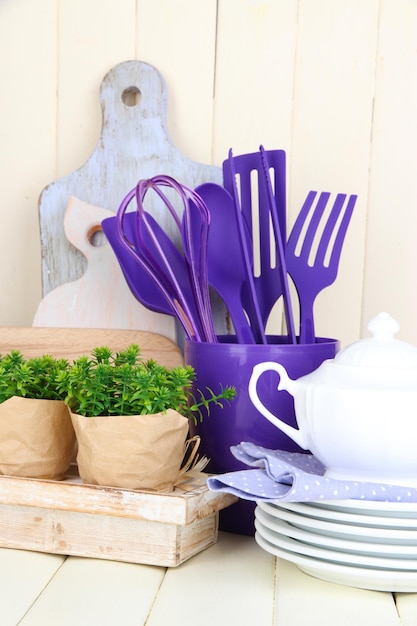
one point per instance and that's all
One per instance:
(333, 82)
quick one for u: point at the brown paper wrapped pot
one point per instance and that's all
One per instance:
(132, 452)
(37, 438)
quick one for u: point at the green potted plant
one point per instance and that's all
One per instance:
(37, 439)
(131, 417)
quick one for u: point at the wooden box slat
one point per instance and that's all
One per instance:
(191, 499)
(104, 536)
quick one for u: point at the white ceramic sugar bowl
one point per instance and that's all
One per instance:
(357, 413)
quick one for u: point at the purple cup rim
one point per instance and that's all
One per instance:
(321, 342)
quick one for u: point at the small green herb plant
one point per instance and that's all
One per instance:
(38, 377)
(121, 383)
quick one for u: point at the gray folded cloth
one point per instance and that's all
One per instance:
(297, 477)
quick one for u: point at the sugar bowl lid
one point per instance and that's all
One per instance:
(378, 360)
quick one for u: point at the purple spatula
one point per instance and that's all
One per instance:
(139, 281)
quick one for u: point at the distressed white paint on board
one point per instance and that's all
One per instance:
(134, 144)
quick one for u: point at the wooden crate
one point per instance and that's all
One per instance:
(68, 517)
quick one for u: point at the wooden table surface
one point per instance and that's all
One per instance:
(233, 582)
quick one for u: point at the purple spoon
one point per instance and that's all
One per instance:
(226, 271)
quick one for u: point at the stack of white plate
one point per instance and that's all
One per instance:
(371, 545)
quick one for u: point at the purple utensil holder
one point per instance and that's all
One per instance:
(230, 363)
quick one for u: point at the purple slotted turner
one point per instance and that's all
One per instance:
(254, 205)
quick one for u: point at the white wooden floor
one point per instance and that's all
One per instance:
(234, 582)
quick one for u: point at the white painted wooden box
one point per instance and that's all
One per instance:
(71, 518)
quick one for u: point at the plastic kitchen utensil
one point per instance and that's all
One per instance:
(251, 296)
(279, 248)
(196, 219)
(226, 271)
(311, 277)
(153, 239)
(139, 281)
(245, 171)
(186, 276)
(144, 282)
(165, 289)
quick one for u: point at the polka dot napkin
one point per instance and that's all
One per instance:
(296, 477)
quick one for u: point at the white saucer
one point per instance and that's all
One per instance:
(385, 550)
(364, 578)
(344, 531)
(331, 554)
(335, 515)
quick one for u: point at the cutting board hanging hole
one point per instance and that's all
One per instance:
(131, 96)
(96, 237)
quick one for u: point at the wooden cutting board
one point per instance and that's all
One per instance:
(134, 144)
(101, 297)
(70, 343)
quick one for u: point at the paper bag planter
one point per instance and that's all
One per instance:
(131, 418)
